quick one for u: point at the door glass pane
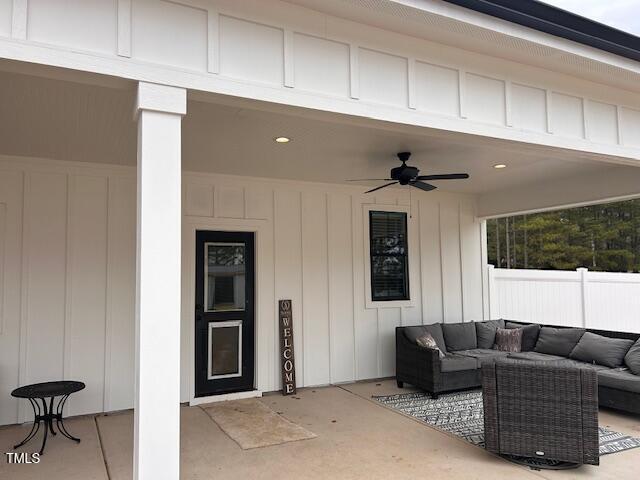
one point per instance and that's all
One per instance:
(224, 277)
(225, 345)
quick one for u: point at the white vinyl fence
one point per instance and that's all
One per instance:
(606, 301)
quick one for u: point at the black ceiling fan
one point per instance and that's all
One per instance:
(406, 175)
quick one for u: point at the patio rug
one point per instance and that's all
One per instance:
(252, 424)
(462, 414)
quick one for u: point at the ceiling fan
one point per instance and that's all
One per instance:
(406, 175)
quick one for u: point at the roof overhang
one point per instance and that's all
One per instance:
(561, 23)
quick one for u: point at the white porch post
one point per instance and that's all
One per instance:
(156, 453)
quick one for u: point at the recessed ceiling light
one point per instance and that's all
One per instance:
(282, 139)
(500, 165)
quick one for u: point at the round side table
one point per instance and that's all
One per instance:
(37, 395)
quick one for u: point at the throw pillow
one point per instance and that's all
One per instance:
(509, 339)
(605, 351)
(632, 358)
(486, 332)
(459, 336)
(558, 341)
(427, 341)
(435, 329)
(529, 334)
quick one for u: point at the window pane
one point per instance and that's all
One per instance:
(389, 266)
(224, 277)
(224, 349)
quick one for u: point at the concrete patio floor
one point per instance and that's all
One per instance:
(357, 438)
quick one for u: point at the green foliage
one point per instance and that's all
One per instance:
(599, 237)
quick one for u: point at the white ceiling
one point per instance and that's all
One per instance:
(94, 123)
(239, 141)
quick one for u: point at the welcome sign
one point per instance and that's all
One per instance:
(286, 348)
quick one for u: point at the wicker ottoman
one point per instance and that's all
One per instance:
(544, 412)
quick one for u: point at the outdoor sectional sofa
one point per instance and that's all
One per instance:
(464, 347)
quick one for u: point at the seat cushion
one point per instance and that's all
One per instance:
(435, 329)
(483, 354)
(620, 380)
(486, 332)
(558, 341)
(535, 357)
(459, 336)
(632, 358)
(579, 364)
(457, 363)
(605, 351)
(529, 334)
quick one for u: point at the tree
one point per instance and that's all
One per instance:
(600, 237)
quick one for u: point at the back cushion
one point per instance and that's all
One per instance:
(460, 336)
(558, 341)
(486, 332)
(413, 333)
(529, 334)
(632, 358)
(605, 351)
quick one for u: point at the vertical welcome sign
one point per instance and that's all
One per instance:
(286, 348)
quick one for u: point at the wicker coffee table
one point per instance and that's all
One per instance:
(37, 394)
(541, 414)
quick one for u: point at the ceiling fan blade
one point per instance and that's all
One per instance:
(382, 186)
(369, 180)
(422, 186)
(444, 176)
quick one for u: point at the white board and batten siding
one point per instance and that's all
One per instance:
(278, 51)
(580, 298)
(67, 282)
(311, 237)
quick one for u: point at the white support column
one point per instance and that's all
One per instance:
(156, 453)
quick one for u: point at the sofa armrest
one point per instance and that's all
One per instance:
(416, 365)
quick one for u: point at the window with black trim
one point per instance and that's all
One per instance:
(388, 249)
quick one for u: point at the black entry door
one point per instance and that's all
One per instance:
(224, 336)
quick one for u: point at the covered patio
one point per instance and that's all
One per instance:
(357, 438)
(310, 226)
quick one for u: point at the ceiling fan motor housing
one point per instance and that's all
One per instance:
(404, 174)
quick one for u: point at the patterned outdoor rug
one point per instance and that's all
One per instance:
(462, 414)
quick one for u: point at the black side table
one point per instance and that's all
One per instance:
(46, 415)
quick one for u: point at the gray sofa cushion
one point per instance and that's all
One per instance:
(558, 341)
(605, 351)
(486, 332)
(483, 354)
(529, 334)
(620, 380)
(459, 336)
(435, 329)
(457, 363)
(578, 363)
(535, 357)
(632, 358)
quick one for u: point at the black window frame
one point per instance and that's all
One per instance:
(405, 256)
